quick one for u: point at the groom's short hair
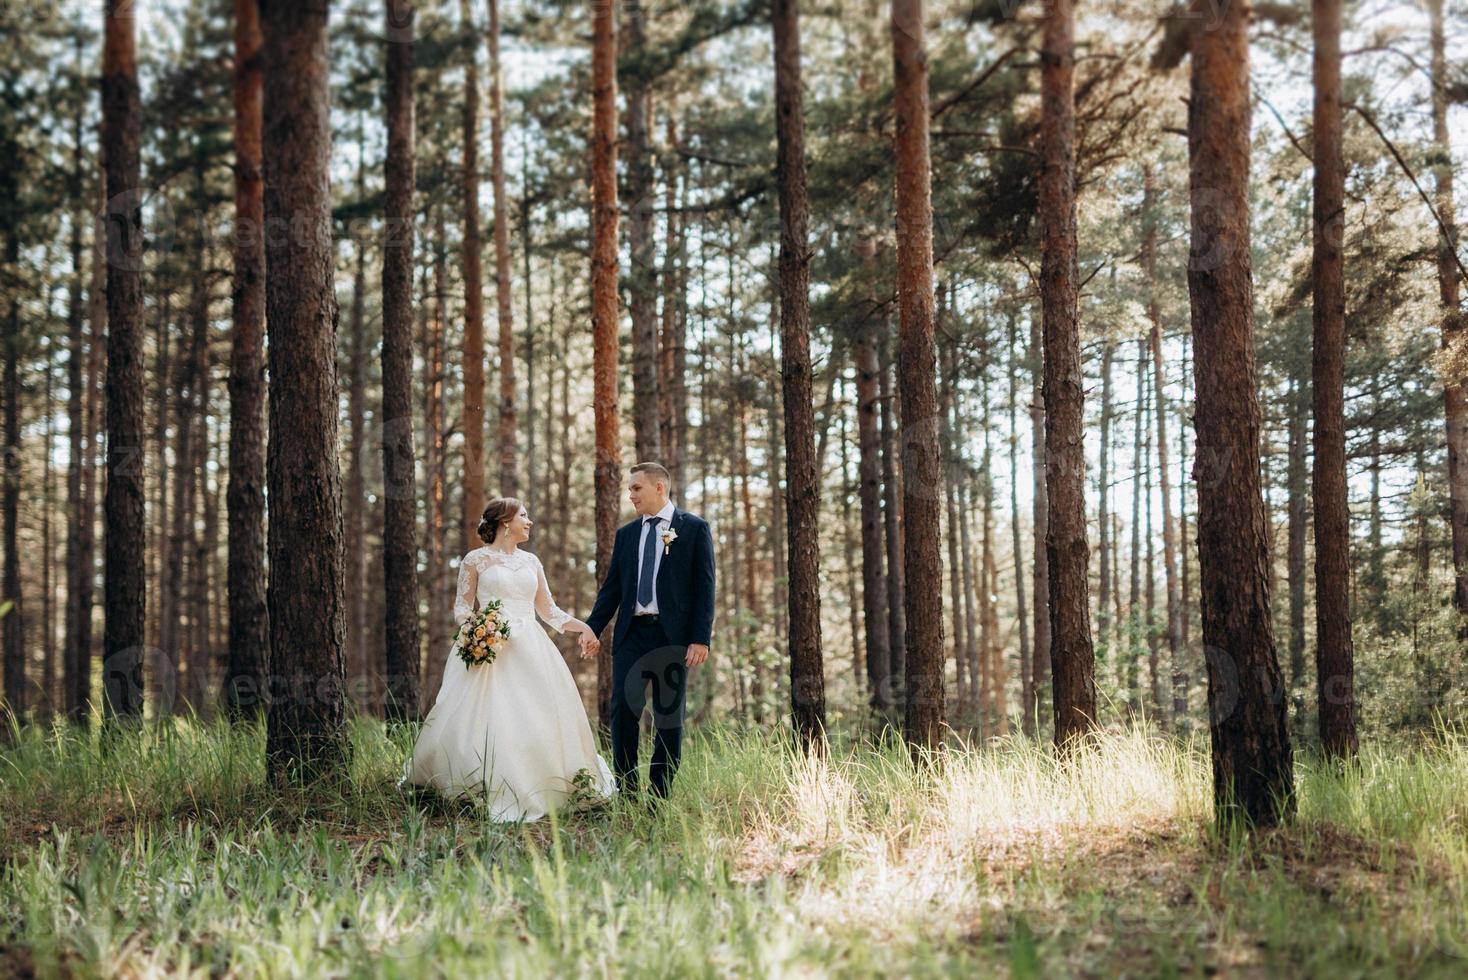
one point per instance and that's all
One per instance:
(657, 470)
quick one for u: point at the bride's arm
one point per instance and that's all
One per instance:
(555, 617)
(467, 591)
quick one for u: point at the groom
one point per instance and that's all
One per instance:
(660, 586)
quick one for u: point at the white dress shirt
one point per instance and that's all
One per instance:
(665, 519)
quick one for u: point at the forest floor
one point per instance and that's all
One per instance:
(166, 853)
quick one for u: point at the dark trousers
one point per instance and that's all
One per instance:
(646, 660)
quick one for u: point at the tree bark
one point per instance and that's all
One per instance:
(608, 476)
(802, 476)
(249, 625)
(922, 461)
(1073, 658)
(1040, 666)
(1104, 542)
(75, 649)
(1298, 506)
(1253, 770)
(642, 278)
(1173, 632)
(81, 682)
(16, 692)
(672, 383)
(1334, 652)
(1454, 322)
(948, 393)
(473, 409)
(1136, 623)
(306, 734)
(440, 577)
(508, 417)
(1022, 612)
(869, 473)
(125, 542)
(849, 546)
(892, 515)
(400, 490)
(354, 503)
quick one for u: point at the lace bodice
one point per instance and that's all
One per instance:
(517, 578)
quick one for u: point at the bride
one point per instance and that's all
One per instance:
(513, 731)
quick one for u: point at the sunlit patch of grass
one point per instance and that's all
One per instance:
(164, 850)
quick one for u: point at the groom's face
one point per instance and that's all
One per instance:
(647, 495)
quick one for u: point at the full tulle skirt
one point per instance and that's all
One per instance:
(513, 733)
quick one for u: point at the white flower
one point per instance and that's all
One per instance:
(669, 536)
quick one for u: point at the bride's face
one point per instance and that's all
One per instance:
(517, 528)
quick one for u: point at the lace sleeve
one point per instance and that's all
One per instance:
(555, 617)
(467, 591)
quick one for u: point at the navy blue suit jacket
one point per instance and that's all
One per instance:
(685, 582)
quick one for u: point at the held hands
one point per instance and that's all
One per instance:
(588, 642)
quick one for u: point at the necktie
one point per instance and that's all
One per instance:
(649, 561)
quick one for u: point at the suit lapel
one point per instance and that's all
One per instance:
(674, 524)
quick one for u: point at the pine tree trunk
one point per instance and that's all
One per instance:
(162, 533)
(802, 477)
(1149, 577)
(748, 532)
(1073, 658)
(869, 472)
(988, 621)
(534, 483)
(948, 395)
(1298, 518)
(1185, 573)
(439, 576)
(125, 543)
(642, 278)
(971, 663)
(306, 735)
(849, 547)
(46, 703)
(1022, 612)
(75, 649)
(508, 413)
(1135, 623)
(176, 634)
(608, 476)
(1334, 653)
(1040, 667)
(1253, 771)
(354, 503)
(14, 622)
(249, 626)
(998, 680)
(1159, 409)
(1104, 542)
(201, 651)
(1454, 321)
(81, 682)
(892, 518)
(400, 490)
(921, 457)
(672, 384)
(473, 353)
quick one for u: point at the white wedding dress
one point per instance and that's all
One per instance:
(512, 732)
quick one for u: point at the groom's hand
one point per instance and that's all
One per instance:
(697, 654)
(589, 644)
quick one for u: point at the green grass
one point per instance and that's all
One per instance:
(165, 852)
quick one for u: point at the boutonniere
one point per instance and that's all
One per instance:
(669, 536)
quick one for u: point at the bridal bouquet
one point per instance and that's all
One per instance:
(482, 634)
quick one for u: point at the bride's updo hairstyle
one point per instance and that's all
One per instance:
(497, 513)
